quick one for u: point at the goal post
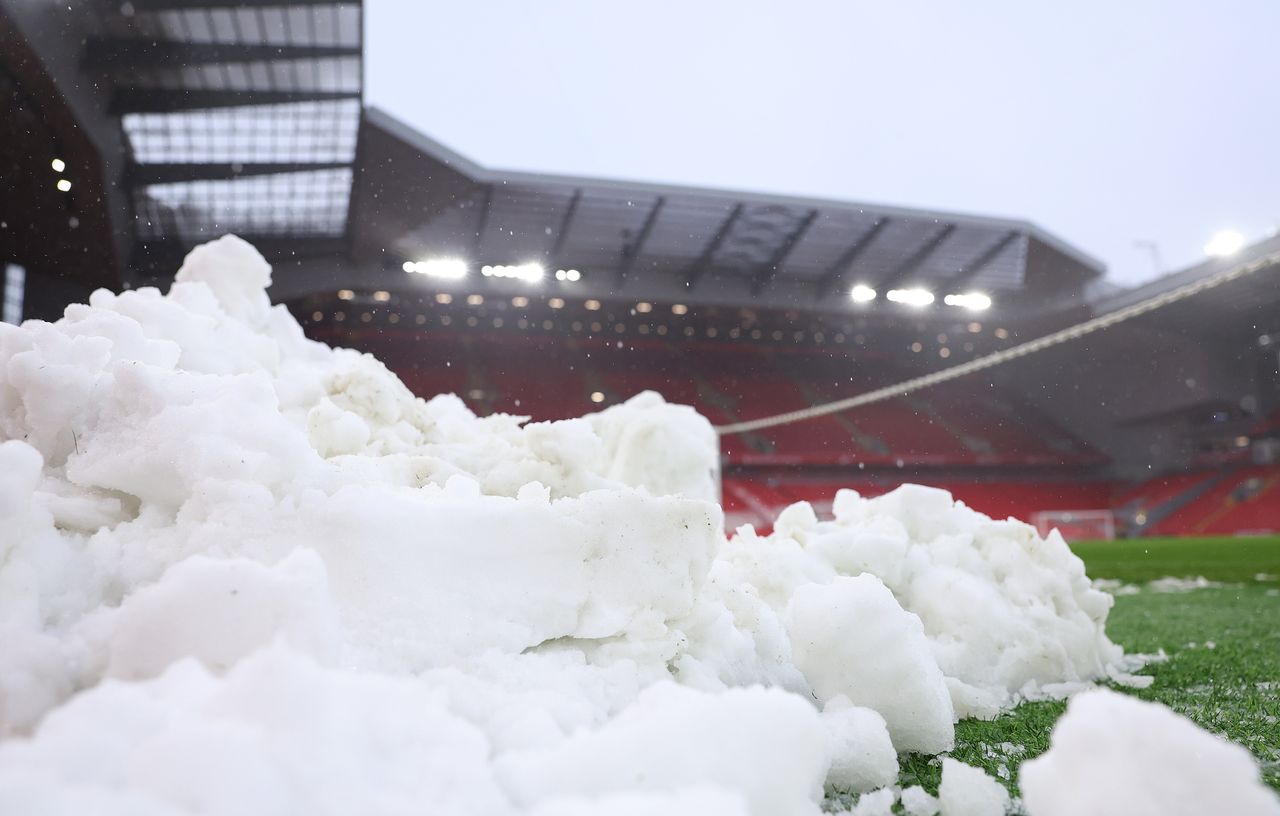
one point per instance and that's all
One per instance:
(1076, 525)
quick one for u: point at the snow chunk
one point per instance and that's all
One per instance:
(236, 272)
(851, 638)
(862, 754)
(916, 801)
(967, 791)
(1115, 754)
(764, 743)
(1008, 615)
(878, 803)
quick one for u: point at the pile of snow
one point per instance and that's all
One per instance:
(1114, 754)
(243, 572)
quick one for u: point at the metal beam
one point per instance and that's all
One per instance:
(917, 259)
(143, 174)
(553, 257)
(482, 221)
(834, 275)
(631, 252)
(975, 267)
(769, 269)
(167, 100)
(699, 266)
(123, 53)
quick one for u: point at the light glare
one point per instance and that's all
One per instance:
(911, 297)
(449, 268)
(58, 165)
(862, 294)
(973, 301)
(527, 272)
(1224, 243)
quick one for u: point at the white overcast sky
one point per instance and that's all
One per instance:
(1103, 121)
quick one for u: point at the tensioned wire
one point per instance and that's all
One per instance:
(1013, 353)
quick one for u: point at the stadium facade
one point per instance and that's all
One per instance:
(133, 131)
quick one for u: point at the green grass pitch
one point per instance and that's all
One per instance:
(1223, 647)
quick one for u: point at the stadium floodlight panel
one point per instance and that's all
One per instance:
(58, 165)
(862, 293)
(527, 272)
(911, 297)
(450, 268)
(1224, 243)
(973, 301)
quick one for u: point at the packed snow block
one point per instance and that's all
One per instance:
(862, 754)
(1111, 753)
(967, 791)
(850, 637)
(275, 735)
(664, 448)
(221, 611)
(424, 577)
(766, 744)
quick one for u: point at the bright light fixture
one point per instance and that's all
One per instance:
(64, 185)
(973, 301)
(679, 308)
(450, 268)
(527, 272)
(597, 397)
(571, 275)
(862, 294)
(58, 165)
(1224, 243)
(382, 296)
(911, 297)
(346, 294)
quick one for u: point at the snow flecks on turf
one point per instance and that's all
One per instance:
(243, 572)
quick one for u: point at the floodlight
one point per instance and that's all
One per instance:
(1224, 243)
(973, 301)
(862, 294)
(911, 297)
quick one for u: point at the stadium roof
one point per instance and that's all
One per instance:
(1241, 309)
(240, 116)
(415, 199)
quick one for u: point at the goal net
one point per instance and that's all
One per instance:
(1076, 525)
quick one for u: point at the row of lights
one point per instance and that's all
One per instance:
(973, 301)
(58, 166)
(456, 269)
(593, 305)
(597, 327)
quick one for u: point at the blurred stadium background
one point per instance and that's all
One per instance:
(134, 130)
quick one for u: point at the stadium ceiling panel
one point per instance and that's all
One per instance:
(415, 199)
(240, 117)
